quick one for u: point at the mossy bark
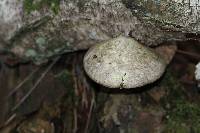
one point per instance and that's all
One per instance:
(67, 26)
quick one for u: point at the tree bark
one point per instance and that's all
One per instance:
(43, 30)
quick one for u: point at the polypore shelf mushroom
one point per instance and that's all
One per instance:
(122, 62)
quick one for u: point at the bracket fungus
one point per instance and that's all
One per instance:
(123, 62)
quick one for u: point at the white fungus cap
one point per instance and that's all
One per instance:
(123, 63)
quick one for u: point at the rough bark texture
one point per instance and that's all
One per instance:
(38, 30)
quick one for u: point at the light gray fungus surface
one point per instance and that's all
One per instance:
(123, 63)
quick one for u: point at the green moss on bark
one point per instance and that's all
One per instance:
(31, 5)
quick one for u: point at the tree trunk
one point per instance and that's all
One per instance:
(37, 30)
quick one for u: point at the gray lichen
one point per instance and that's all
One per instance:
(179, 15)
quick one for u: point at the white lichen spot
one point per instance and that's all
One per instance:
(197, 72)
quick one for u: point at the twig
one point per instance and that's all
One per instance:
(197, 56)
(11, 118)
(20, 84)
(188, 82)
(90, 113)
(36, 84)
(75, 121)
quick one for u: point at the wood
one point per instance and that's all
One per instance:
(40, 34)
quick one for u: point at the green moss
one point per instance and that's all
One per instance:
(182, 116)
(31, 5)
(174, 91)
